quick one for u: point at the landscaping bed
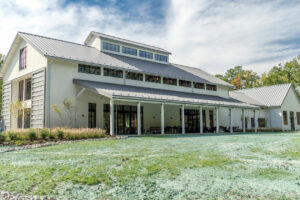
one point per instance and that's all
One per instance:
(21, 137)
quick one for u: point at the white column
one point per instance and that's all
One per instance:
(243, 120)
(217, 120)
(162, 118)
(139, 118)
(111, 117)
(182, 120)
(255, 121)
(201, 120)
(230, 120)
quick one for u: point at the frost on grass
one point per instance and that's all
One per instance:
(183, 167)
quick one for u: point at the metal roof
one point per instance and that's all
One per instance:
(125, 41)
(151, 94)
(81, 53)
(269, 96)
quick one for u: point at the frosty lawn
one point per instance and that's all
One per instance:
(163, 167)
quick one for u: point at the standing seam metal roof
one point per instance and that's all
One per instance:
(133, 92)
(269, 96)
(82, 53)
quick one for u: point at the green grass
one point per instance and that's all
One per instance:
(245, 166)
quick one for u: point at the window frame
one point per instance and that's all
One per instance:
(130, 51)
(184, 83)
(298, 118)
(115, 73)
(145, 54)
(211, 87)
(23, 58)
(158, 57)
(21, 90)
(168, 81)
(82, 68)
(135, 76)
(26, 89)
(107, 46)
(285, 117)
(156, 79)
(198, 83)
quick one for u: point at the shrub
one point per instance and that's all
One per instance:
(32, 135)
(51, 136)
(44, 133)
(60, 134)
(13, 136)
(2, 138)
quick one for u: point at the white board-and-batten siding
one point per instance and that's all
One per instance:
(6, 100)
(38, 99)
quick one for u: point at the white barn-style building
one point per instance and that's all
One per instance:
(128, 87)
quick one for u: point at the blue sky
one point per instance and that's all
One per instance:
(209, 34)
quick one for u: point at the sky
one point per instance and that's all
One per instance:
(212, 35)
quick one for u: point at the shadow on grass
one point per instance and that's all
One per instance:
(207, 134)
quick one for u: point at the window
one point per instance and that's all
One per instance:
(23, 58)
(211, 87)
(28, 89)
(170, 81)
(146, 54)
(24, 116)
(21, 90)
(134, 76)
(161, 58)
(111, 47)
(89, 69)
(113, 73)
(262, 122)
(285, 118)
(298, 118)
(27, 114)
(92, 115)
(129, 51)
(153, 79)
(185, 83)
(199, 85)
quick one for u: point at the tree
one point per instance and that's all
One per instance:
(240, 78)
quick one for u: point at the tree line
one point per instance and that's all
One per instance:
(280, 74)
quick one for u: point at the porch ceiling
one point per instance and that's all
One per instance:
(118, 91)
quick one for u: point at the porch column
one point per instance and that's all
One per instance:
(243, 120)
(182, 120)
(111, 117)
(255, 121)
(162, 112)
(230, 121)
(201, 120)
(139, 131)
(217, 120)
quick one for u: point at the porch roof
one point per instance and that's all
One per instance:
(126, 92)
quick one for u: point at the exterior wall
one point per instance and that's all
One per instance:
(237, 117)
(35, 61)
(291, 103)
(94, 42)
(274, 118)
(6, 100)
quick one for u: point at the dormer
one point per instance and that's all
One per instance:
(119, 46)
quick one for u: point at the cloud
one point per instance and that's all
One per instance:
(209, 34)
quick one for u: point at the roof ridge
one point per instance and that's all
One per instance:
(268, 86)
(95, 32)
(53, 38)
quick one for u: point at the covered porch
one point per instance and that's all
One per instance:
(135, 110)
